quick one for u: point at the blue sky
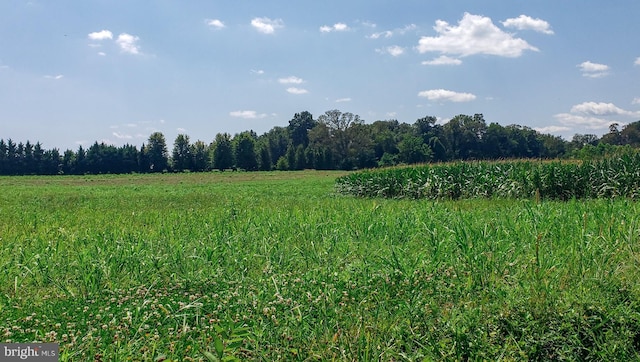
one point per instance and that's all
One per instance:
(77, 71)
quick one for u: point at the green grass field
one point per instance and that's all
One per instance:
(276, 266)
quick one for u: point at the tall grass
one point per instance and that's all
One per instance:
(274, 266)
(556, 180)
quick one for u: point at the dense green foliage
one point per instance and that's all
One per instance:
(273, 266)
(615, 176)
(336, 140)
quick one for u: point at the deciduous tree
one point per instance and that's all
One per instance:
(181, 156)
(156, 153)
(245, 152)
(222, 152)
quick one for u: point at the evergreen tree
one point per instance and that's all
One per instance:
(3, 157)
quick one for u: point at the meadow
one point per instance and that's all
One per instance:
(278, 266)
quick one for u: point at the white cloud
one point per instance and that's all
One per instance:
(583, 121)
(215, 23)
(101, 35)
(601, 109)
(127, 43)
(294, 90)
(122, 136)
(386, 34)
(340, 27)
(552, 129)
(593, 70)
(343, 100)
(368, 24)
(290, 80)
(446, 95)
(524, 22)
(102, 54)
(443, 60)
(595, 115)
(636, 100)
(266, 25)
(247, 114)
(474, 34)
(393, 50)
(637, 62)
(391, 33)
(335, 27)
(55, 77)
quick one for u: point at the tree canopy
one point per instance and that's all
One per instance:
(335, 140)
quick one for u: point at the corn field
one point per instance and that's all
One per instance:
(556, 180)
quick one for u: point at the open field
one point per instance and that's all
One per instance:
(276, 266)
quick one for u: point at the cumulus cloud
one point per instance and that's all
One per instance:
(101, 35)
(393, 50)
(446, 95)
(291, 80)
(443, 60)
(247, 114)
(266, 25)
(524, 22)
(576, 120)
(128, 43)
(335, 27)
(474, 34)
(593, 70)
(637, 62)
(343, 100)
(215, 23)
(601, 109)
(636, 100)
(294, 90)
(55, 77)
(595, 115)
(257, 71)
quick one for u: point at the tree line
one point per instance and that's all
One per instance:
(335, 140)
